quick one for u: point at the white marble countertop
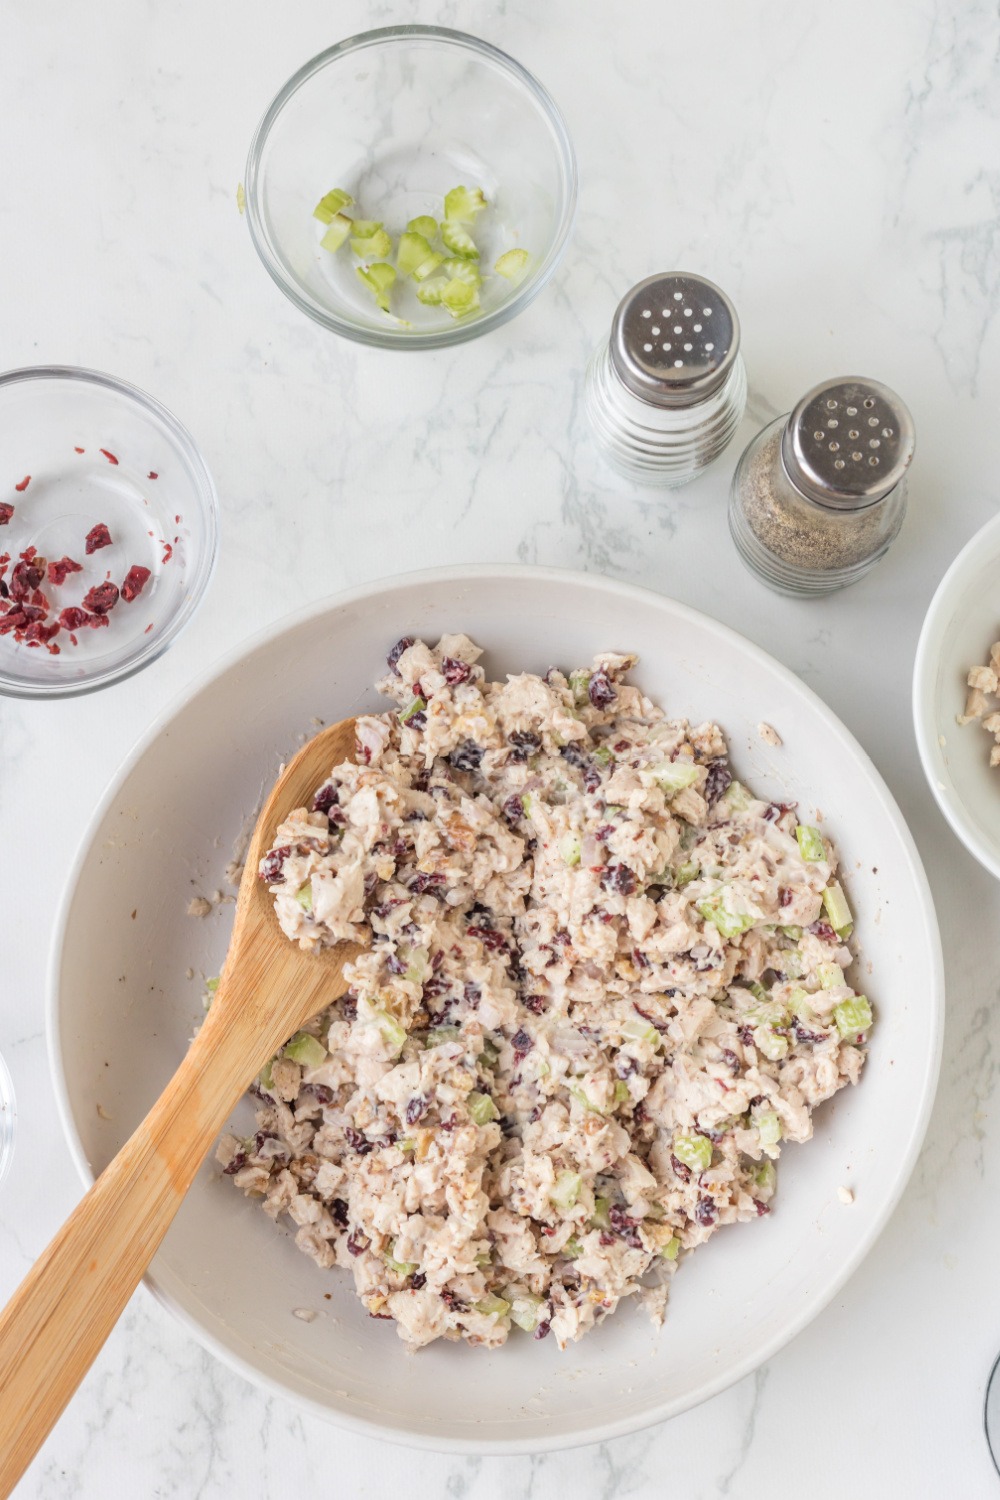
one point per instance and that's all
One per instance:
(835, 169)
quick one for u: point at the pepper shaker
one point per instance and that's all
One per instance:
(820, 495)
(666, 391)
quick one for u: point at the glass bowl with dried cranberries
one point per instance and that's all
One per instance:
(108, 530)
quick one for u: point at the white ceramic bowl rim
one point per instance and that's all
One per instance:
(925, 915)
(925, 666)
(392, 338)
(201, 573)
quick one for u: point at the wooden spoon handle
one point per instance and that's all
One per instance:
(64, 1309)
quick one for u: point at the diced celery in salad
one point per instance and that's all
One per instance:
(306, 1049)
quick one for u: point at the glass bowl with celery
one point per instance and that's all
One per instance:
(411, 187)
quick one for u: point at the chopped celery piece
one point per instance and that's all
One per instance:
(393, 1034)
(798, 1005)
(695, 1151)
(685, 873)
(490, 1054)
(408, 1145)
(241, 197)
(675, 776)
(810, 841)
(525, 1310)
(415, 706)
(853, 1016)
(431, 292)
(423, 224)
(306, 1049)
(572, 1249)
(837, 909)
(621, 1091)
(266, 1077)
(511, 264)
(378, 279)
(374, 246)
(831, 976)
(769, 1130)
(765, 1175)
(212, 984)
(603, 756)
(401, 1267)
(304, 896)
(462, 205)
(526, 803)
(736, 796)
(602, 1217)
(459, 298)
(365, 228)
(438, 1035)
(730, 924)
(758, 992)
(330, 204)
(482, 1109)
(462, 270)
(671, 1248)
(584, 1098)
(566, 1189)
(337, 233)
(770, 1043)
(580, 686)
(493, 1307)
(641, 1031)
(569, 848)
(415, 258)
(795, 933)
(458, 241)
(484, 1259)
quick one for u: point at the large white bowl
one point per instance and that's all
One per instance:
(961, 625)
(122, 1011)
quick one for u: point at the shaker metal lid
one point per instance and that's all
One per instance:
(848, 442)
(674, 339)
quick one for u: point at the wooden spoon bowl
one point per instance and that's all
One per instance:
(64, 1309)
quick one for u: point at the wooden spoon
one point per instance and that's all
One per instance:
(64, 1309)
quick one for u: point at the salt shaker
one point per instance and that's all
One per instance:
(819, 496)
(666, 390)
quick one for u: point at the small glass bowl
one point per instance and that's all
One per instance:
(397, 117)
(78, 448)
(8, 1117)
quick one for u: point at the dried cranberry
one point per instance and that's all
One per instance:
(273, 862)
(58, 571)
(96, 621)
(488, 937)
(109, 456)
(718, 780)
(785, 897)
(472, 994)
(639, 959)
(513, 809)
(573, 755)
(536, 1003)
(455, 671)
(543, 1330)
(37, 631)
(14, 620)
(591, 778)
(101, 598)
(6, 511)
(602, 689)
(324, 798)
(357, 1141)
(466, 756)
(619, 878)
(338, 1212)
(606, 1238)
(416, 1108)
(731, 1060)
(624, 1226)
(396, 653)
(349, 1006)
(418, 1280)
(24, 484)
(322, 1093)
(134, 582)
(238, 1161)
(775, 810)
(395, 964)
(423, 882)
(357, 1243)
(525, 742)
(521, 1042)
(434, 987)
(98, 536)
(680, 1170)
(704, 1211)
(762, 1208)
(823, 931)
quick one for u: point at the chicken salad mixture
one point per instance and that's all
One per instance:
(603, 985)
(982, 703)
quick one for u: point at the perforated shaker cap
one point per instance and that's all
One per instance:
(674, 339)
(848, 443)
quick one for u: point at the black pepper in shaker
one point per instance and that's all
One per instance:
(819, 496)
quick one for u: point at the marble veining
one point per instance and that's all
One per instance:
(835, 169)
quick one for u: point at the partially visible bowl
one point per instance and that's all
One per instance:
(78, 448)
(8, 1117)
(397, 117)
(962, 623)
(122, 1011)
